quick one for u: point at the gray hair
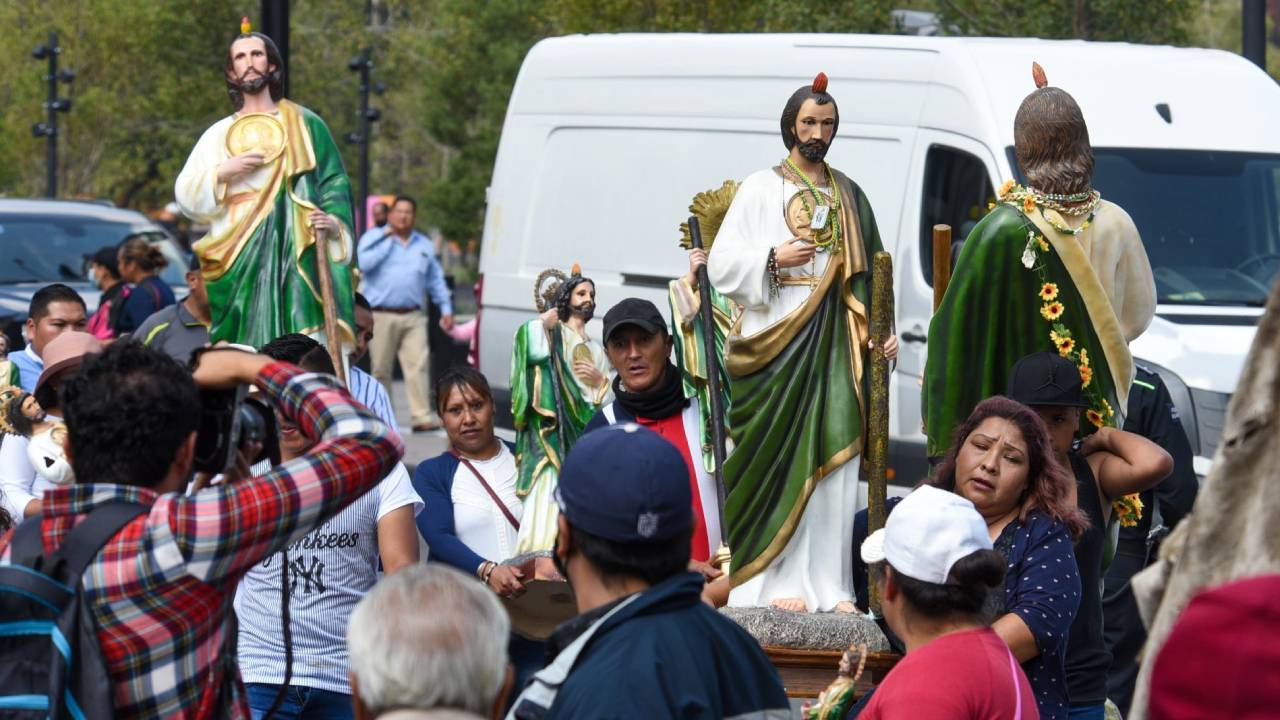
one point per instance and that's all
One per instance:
(429, 637)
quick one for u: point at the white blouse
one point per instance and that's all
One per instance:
(477, 520)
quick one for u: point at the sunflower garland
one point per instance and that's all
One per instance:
(1128, 510)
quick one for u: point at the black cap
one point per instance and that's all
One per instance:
(108, 257)
(626, 484)
(634, 311)
(1046, 378)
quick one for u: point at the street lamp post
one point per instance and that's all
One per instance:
(363, 64)
(52, 105)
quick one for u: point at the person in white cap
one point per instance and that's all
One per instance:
(935, 568)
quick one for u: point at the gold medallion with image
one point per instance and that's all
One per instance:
(799, 217)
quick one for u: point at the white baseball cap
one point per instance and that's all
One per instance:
(926, 534)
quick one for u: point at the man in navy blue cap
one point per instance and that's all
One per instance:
(644, 644)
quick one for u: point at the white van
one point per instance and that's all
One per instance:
(608, 137)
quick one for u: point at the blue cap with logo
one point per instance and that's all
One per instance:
(625, 483)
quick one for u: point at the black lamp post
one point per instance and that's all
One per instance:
(53, 105)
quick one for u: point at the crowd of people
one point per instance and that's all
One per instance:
(991, 574)
(207, 512)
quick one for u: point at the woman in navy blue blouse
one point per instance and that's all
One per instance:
(1002, 461)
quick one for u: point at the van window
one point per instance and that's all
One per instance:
(956, 192)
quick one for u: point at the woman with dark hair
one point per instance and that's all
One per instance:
(935, 569)
(472, 514)
(104, 268)
(1002, 460)
(140, 264)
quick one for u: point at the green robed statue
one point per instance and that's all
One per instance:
(1053, 266)
(794, 251)
(267, 179)
(559, 378)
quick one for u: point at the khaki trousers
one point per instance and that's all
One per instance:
(403, 336)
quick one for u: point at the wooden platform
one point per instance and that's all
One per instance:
(805, 673)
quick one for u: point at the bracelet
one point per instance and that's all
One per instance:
(480, 571)
(771, 265)
(489, 573)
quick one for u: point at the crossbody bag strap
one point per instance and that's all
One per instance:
(485, 484)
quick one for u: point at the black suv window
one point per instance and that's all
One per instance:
(956, 192)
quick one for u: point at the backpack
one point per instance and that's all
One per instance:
(100, 325)
(50, 663)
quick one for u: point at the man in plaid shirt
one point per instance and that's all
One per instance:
(161, 589)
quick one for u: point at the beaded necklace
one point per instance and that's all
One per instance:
(831, 244)
(1064, 229)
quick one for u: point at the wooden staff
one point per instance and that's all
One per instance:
(877, 451)
(331, 336)
(718, 441)
(941, 262)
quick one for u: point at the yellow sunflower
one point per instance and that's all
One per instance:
(1051, 311)
(1044, 246)
(1094, 417)
(1066, 346)
(1006, 187)
(1028, 204)
(1086, 375)
(1049, 292)
(1128, 510)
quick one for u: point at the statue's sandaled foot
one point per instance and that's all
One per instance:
(846, 606)
(793, 604)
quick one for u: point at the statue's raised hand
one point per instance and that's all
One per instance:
(234, 167)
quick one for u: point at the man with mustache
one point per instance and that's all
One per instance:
(558, 374)
(267, 179)
(795, 252)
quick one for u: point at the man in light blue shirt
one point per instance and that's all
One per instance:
(400, 269)
(54, 309)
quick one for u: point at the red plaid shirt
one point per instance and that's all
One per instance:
(161, 590)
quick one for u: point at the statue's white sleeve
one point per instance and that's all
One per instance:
(198, 191)
(1133, 287)
(737, 264)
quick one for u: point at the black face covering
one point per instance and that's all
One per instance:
(664, 399)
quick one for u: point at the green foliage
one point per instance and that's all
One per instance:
(144, 90)
(149, 75)
(1140, 21)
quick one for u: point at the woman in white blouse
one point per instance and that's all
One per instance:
(472, 513)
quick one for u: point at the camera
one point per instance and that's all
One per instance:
(232, 420)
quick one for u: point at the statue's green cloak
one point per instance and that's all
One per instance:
(994, 314)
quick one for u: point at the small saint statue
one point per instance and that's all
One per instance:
(834, 702)
(20, 414)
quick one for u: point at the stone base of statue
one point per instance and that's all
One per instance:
(806, 647)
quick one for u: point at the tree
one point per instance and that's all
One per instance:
(1140, 21)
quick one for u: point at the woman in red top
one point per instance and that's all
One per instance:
(935, 568)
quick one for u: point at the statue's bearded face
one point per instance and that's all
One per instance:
(582, 303)
(814, 130)
(250, 69)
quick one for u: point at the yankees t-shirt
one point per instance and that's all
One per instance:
(329, 571)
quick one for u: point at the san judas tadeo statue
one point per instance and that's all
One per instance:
(794, 252)
(267, 179)
(559, 378)
(1052, 267)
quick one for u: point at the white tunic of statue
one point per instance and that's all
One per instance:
(817, 563)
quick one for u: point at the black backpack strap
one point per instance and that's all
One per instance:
(84, 542)
(27, 547)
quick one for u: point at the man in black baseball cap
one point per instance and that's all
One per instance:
(649, 390)
(644, 645)
(1108, 465)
